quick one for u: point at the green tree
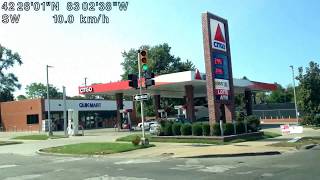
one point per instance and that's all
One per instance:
(21, 97)
(6, 95)
(39, 90)
(160, 61)
(261, 97)
(281, 95)
(309, 89)
(8, 81)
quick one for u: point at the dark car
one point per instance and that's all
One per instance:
(203, 119)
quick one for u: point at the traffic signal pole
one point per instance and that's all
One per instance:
(141, 102)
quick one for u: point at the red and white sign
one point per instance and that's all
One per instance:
(222, 84)
(218, 35)
(287, 129)
(222, 92)
(87, 89)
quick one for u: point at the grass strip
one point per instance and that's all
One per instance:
(38, 137)
(94, 148)
(3, 143)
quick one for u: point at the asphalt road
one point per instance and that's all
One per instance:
(300, 165)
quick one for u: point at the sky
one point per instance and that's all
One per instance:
(266, 37)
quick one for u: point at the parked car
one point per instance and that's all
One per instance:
(147, 124)
(155, 129)
(203, 119)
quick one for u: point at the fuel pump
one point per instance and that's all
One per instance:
(182, 112)
(73, 122)
(126, 118)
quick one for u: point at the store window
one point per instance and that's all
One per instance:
(33, 119)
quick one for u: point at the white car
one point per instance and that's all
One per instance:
(155, 129)
(147, 124)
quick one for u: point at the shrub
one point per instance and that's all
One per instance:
(216, 129)
(197, 129)
(186, 129)
(167, 130)
(228, 130)
(136, 140)
(317, 120)
(162, 123)
(240, 128)
(253, 123)
(240, 116)
(206, 129)
(311, 119)
(176, 129)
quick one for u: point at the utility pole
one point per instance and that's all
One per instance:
(64, 111)
(85, 81)
(48, 99)
(294, 93)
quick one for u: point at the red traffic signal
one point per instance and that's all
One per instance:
(143, 56)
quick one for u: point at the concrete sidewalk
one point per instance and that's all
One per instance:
(183, 150)
(30, 147)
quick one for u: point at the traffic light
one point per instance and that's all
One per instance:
(144, 59)
(133, 80)
(148, 79)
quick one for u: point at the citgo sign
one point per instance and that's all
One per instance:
(87, 89)
(218, 35)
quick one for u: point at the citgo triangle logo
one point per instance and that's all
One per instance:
(218, 35)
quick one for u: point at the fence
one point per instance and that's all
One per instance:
(275, 113)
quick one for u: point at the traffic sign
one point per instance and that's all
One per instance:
(141, 97)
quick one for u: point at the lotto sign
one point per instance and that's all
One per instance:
(218, 35)
(222, 92)
(222, 84)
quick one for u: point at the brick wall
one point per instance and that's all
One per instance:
(14, 114)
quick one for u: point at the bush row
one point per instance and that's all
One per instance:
(203, 129)
(311, 119)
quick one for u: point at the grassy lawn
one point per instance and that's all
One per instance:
(94, 148)
(38, 137)
(265, 136)
(302, 142)
(200, 140)
(313, 127)
(2, 143)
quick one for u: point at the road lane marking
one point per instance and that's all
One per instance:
(63, 160)
(187, 167)
(107, 177)
(217, 168)
(244, 173)
(24, 177)
(137, 161)
(7, 166)
(267, 175)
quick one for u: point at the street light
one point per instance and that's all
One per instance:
(294, 94)
(48, 99)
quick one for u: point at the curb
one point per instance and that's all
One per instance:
(267, 153)
(64, 155)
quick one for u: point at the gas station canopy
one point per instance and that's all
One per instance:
(173, 86)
